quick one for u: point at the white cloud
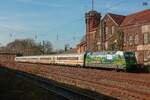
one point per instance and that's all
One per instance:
(47, 3)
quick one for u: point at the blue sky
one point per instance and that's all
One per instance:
(59, 21)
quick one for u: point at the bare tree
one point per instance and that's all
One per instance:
(47, 47)
(29, 47)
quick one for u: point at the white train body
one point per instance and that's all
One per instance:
(62, 59)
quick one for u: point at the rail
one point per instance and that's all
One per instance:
(60, 89)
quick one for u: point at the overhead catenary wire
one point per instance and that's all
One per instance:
(68, 23)
(62, 25)
(116, 4)
(55, 28)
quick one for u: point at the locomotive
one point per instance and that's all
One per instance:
(108, 59)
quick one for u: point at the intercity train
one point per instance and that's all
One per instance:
(109, 59)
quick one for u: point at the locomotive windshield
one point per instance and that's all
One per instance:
(130, 57)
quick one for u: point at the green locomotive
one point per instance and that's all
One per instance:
(113, 59)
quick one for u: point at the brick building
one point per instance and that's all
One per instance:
(105, 34)
(92, 36)
(136, 29)
(110, 26)
(136, 33)
(92, 30)
(81, 47)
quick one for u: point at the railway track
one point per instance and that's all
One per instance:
(132, 92)
(124, 86)
(66, 92)
(129, 80)
(55, 88)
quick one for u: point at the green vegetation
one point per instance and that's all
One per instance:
(116, 42)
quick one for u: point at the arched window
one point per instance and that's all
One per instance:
(145, 38)
(130, 40)
(106, 30)
(136, 39)
(113, 29)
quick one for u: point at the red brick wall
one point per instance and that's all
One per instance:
(108, 22)
(81, 48)
(92, 30)
(132, 30)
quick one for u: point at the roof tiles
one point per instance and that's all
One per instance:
(117, 18)
(137, 18)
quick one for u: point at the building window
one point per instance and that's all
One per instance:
(130, 40)
(106, 30)
(125, 40)
(112, 29)
(148, 28)
(145, 28)
(106, 45)
(145, 55)
(136, 39)
(145, 38)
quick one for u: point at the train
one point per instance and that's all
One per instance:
(108, 59)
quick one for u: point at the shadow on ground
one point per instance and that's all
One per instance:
(13, 87)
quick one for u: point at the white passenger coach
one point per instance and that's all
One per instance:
(62, 59)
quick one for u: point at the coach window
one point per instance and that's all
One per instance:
(145, 38)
